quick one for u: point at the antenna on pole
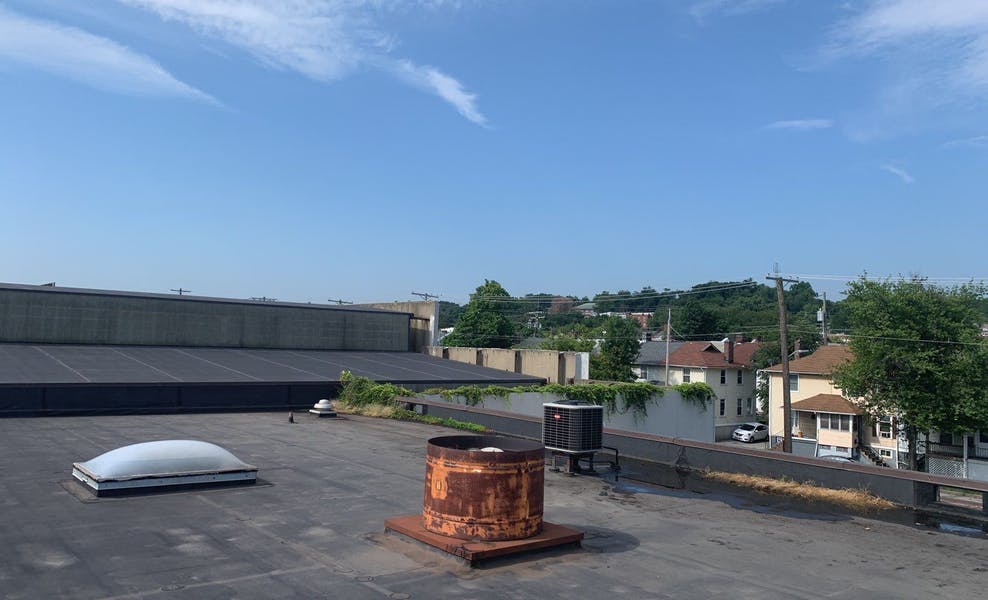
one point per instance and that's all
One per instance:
(181, 291)
(263, 299)
(338, 301)
(425, 295)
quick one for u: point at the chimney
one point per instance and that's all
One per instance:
(795, 348)
(738, 338)
(729, 350)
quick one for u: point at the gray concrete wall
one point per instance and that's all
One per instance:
(424, 325)
(551, 365)
(57, 316)
(668, 415)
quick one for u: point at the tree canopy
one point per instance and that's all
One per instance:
(918, 354)
(484, 322)
(618, 351)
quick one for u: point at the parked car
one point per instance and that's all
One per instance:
(750, 432)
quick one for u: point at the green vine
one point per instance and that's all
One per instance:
(614, 397)
(361, 391)
(697, 393)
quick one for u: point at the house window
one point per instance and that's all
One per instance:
(793, 382)
(750, 412)
(842, 449)
(739, 406)
(723, 406)
(686, 375)
(723, 376)
(836, 422)
(825, 447)
(983, 437)
(885, 427)
(946, 439)
(643, 372)
(885, 453)
(740, 377)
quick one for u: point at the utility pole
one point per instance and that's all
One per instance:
(784, 343)
(823, 319)
(425, 295)
(180, 291)
(337, 301)
(668, 335)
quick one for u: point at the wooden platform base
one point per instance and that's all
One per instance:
(552, 535)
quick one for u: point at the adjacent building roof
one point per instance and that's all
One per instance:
(654, 353)
(827, 403)
(821, 362)
(586, 306)
(43, 364)
(711, 355)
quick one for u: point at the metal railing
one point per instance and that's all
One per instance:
(956, 450)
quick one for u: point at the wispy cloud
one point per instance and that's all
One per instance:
(87, 58)
(802, 124)
(980, 141)
(933, 55)
(709, 8)
(323, 40)
(898, 172)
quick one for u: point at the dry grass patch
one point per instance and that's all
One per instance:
(370, 410)
(855, 499)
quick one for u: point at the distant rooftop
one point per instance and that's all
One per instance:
(183, 297)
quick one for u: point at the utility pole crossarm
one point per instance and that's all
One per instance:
(784, 344)
(425, 295)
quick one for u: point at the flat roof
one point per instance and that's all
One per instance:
(63, 364)
(188, 298)
(313, 527)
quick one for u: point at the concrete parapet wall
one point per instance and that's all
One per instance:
(907, 488)
(666, 415)
(29, 314)
(551, 365)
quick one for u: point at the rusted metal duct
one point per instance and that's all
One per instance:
(484, 487)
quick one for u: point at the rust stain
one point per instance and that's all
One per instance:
(483, 496)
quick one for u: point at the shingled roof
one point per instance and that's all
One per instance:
(821, 362)
(709, 355)
(827, 403)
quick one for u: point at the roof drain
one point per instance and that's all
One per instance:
(165, 465)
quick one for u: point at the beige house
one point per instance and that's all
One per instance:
(824, 422)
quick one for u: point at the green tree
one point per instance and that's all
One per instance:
(695, 319)
(484, 322)
(618, 351)
(918, 355)
(567, 343)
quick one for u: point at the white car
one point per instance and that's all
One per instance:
(750, 432)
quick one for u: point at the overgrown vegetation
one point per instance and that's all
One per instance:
(855, 499)
(614, 397)
(697, 392)
(361, 396)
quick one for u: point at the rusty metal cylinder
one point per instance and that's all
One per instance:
(484, 487)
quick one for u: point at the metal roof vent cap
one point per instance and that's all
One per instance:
(168, 464)
(323, 408)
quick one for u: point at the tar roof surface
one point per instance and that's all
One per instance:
(45, 364)
(315, 531)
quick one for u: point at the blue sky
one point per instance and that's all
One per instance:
(361, 150)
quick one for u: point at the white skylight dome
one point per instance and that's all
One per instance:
(163, 463)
